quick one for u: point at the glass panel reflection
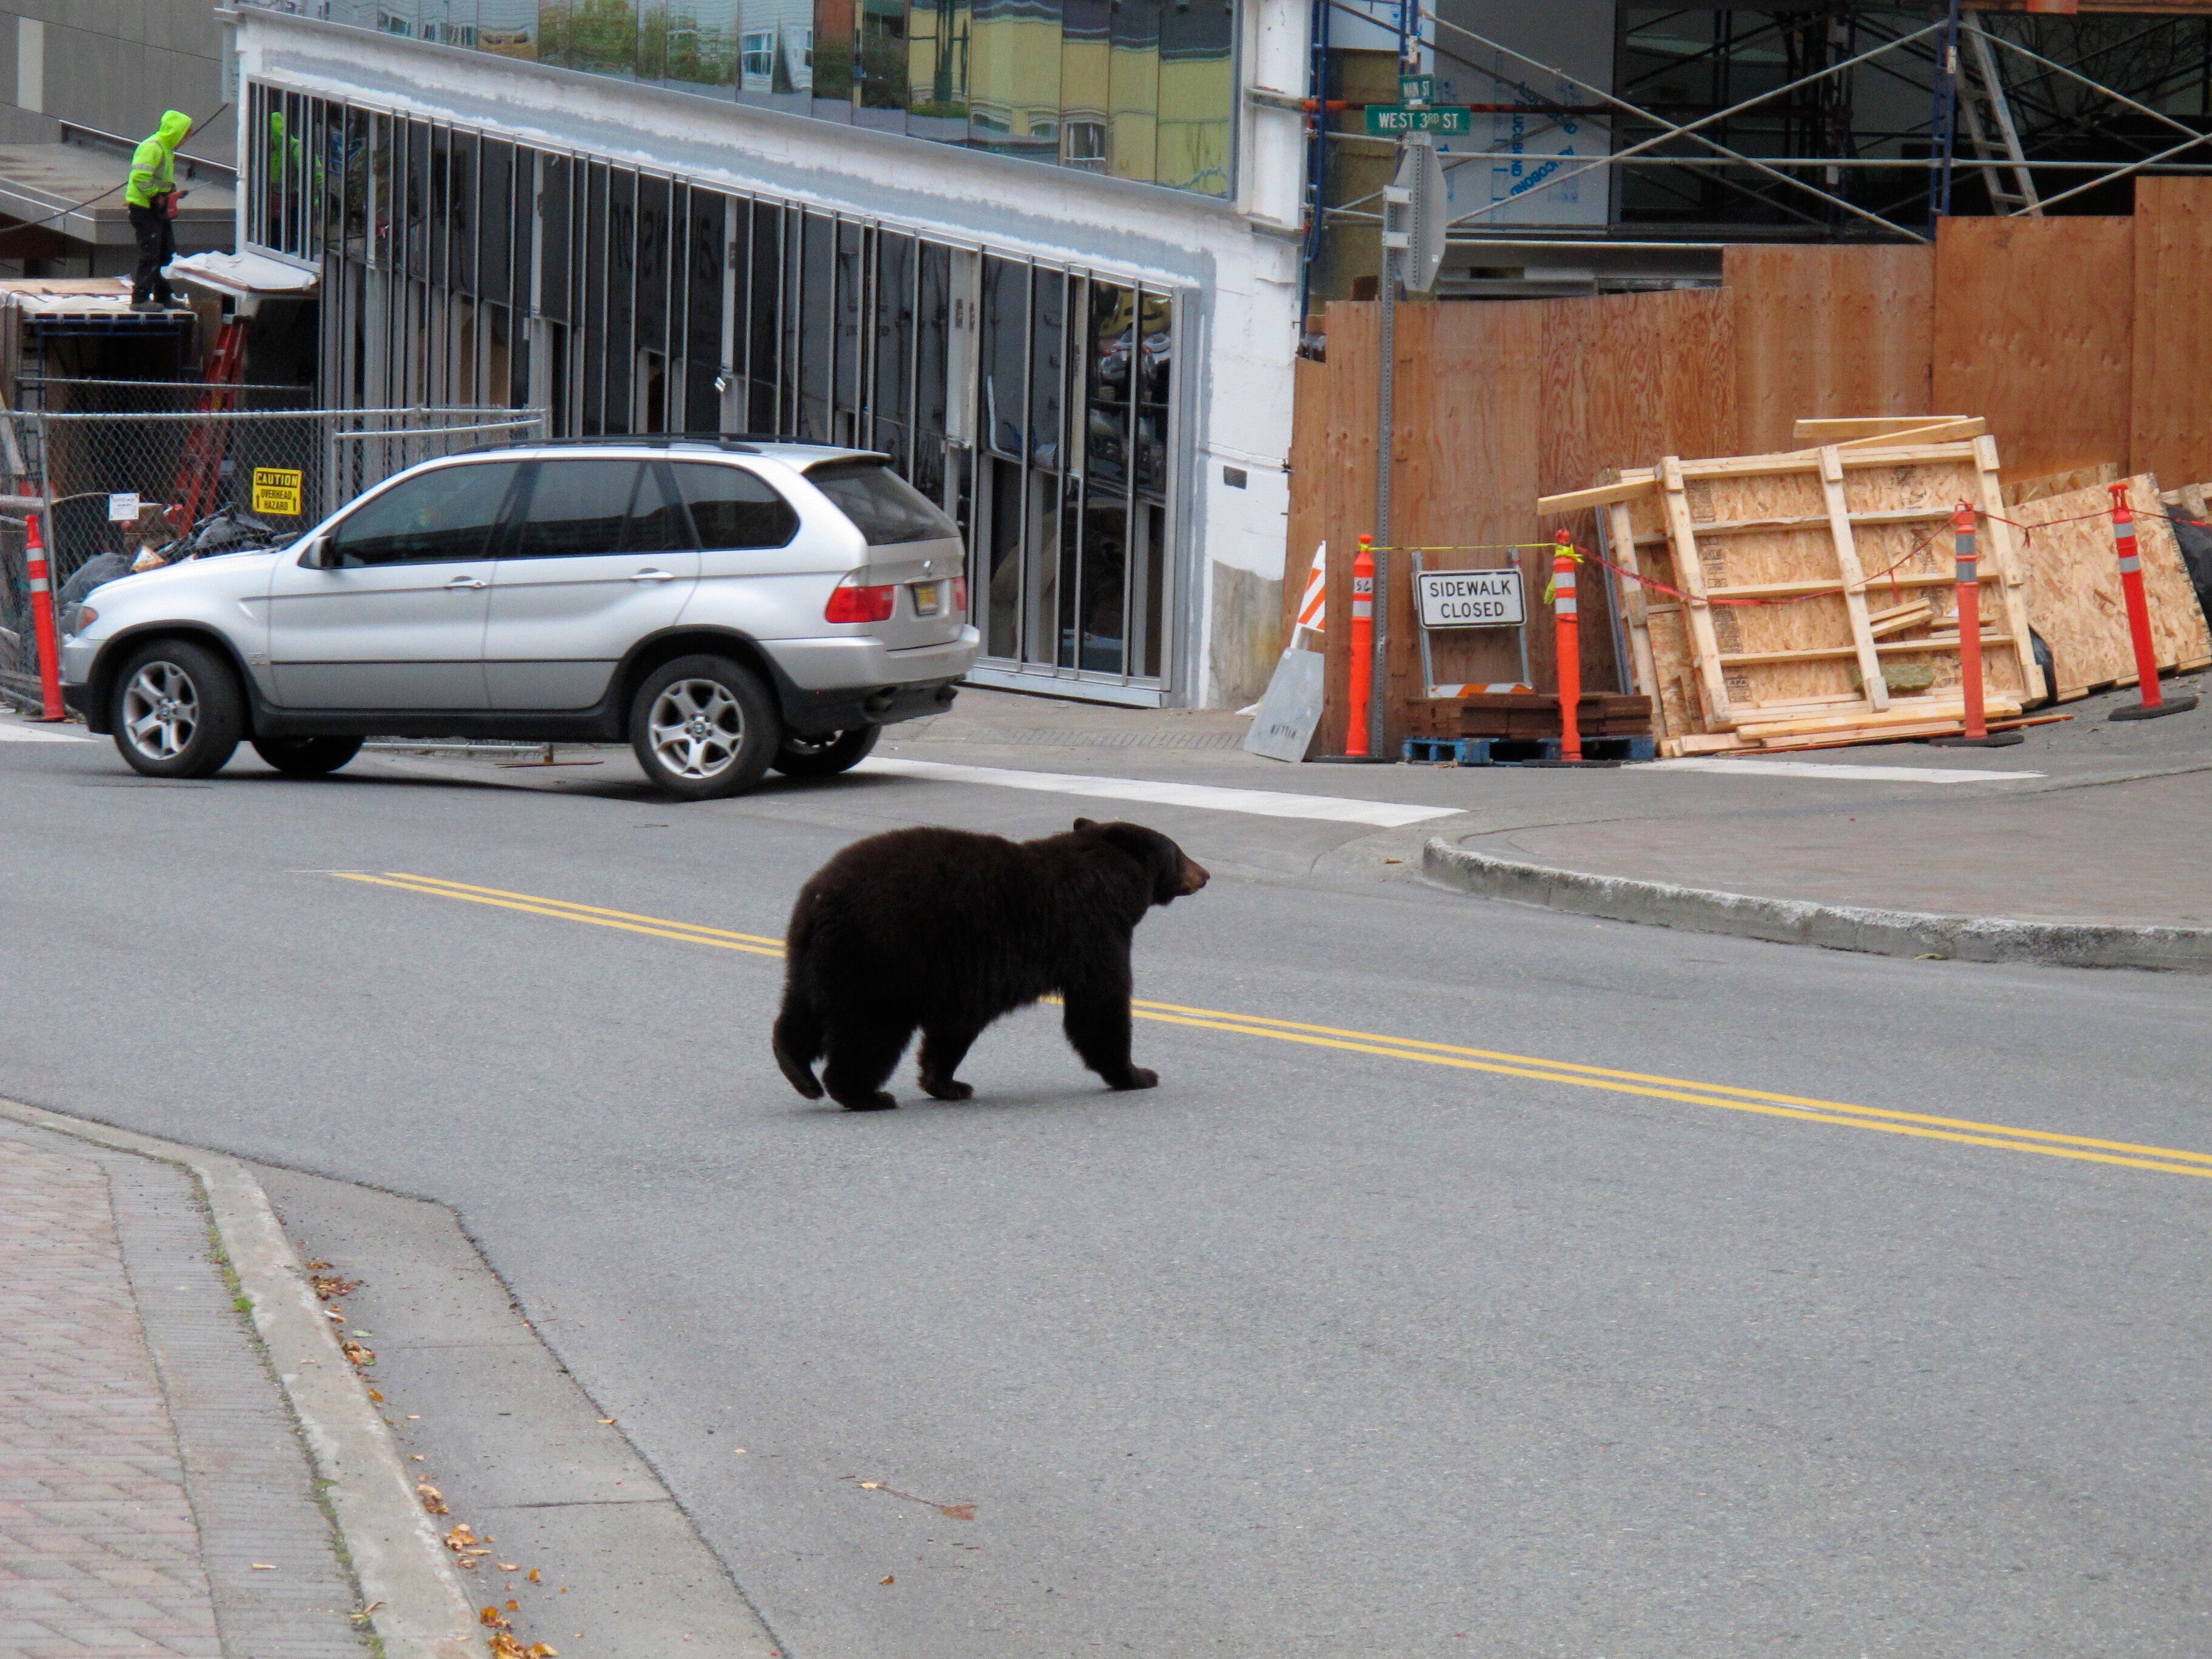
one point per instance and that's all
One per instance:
(1141, 89)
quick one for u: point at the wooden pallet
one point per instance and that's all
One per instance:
(1855, 533)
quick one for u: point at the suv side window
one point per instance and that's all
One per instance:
(734, 508)
(578, 509)
(657, 520)
(434, 518)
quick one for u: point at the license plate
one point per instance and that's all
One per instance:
(927, 599)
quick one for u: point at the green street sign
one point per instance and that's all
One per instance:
(1389, 120)
(1417, 88)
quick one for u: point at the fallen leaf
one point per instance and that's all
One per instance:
(355, 1352)
(461, 1538)
(327, 1286)
(376, 1397)
(417, 1457)
(534, 1579)
(318, 1267)
(504, 1646)
(433, 1501)
(265, 1566)
(741, 1451)
(492, 1618)
(540, 1651)
(957, 1511)
(606, 1419)
(888, 1579)
(514, 1606)
(507, 1567)
(871, 1485)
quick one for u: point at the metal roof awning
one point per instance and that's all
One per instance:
(246, 276)
(48, 182)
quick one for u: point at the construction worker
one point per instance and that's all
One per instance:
(152, 197)
(284, 186)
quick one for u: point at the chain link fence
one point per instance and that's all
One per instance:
(120, 483)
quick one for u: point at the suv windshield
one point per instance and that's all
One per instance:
(884, 507)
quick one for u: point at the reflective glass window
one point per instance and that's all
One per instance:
(658, 520)
(734, 508)
(702, 338)
(884, 507)
(432, 518)
(578, 507)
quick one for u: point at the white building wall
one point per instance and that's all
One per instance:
(1234, 263)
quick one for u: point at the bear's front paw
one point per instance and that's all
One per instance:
(947, 1088)
(1138, 1078)
(875, 1102)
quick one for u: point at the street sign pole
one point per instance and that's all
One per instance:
(1386, 433)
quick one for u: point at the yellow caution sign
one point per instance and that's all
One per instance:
(276, 491)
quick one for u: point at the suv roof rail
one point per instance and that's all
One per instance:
(745, 443)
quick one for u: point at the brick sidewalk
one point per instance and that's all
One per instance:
(99, 1554)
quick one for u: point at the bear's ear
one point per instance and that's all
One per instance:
(1082, 825)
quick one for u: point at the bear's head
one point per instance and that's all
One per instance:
(1174, 874)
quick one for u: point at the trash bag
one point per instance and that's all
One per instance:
(94, 572)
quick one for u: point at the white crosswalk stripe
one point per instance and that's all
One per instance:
(1258, 803)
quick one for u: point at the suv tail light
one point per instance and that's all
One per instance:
(849, 602)
(960, 596)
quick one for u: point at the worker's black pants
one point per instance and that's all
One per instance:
(157, 244)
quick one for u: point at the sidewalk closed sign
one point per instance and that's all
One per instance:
(1470, 598)
(276, 491)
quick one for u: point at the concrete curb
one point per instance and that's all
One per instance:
(401, 1564)
(1831, 926)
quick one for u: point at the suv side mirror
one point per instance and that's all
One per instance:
(317, 555)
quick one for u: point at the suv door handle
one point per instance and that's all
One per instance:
(654, 576)
(459, 582)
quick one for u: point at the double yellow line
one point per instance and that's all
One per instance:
(1964, 1131)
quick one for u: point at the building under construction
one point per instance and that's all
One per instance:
(1615, 146)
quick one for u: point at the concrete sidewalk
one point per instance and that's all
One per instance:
(155, 1498)
(2084, 832)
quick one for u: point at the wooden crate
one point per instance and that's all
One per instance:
(1853, 537)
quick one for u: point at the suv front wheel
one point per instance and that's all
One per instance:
(179, 710)
(703, 728)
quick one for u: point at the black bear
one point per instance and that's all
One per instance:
(947, 930)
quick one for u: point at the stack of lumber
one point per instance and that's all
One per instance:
(1817, 587)
(1536, 714)
(1530, 714)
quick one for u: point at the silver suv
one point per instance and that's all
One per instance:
(726, 607)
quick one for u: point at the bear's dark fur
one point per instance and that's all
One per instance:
(948, 930)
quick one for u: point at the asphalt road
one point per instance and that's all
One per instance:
(1332, 1344)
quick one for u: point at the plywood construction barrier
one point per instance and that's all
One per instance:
(2081, 344)
(1807, 598)
(2073, 597)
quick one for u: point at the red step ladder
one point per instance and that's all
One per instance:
(199, 475)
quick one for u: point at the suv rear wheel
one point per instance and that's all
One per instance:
(179, 710)
(307, 757)
(703, 728)
(824, 757)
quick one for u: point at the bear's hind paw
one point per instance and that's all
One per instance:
(1138, 1078)
(875, 1102)
(947, 1088)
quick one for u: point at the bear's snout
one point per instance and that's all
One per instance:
(1193, 878)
